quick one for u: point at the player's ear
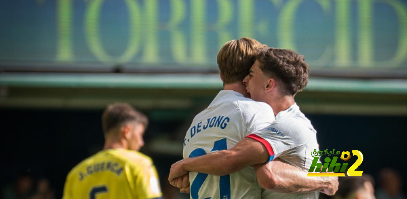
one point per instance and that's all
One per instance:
(271, 83)
(126, 131)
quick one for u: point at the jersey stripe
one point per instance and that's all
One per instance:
(265, 143)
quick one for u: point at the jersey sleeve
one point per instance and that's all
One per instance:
(147, 183)
(277, 141)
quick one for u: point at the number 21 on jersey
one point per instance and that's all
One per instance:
(224, 182)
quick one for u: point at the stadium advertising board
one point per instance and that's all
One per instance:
(177, 34)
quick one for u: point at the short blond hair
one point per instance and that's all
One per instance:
(236, 57)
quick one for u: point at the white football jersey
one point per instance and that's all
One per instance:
(291, 138)
(227, 120)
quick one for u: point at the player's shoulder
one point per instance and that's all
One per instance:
(245, 104)
(302, 124)
(250, 109)
(231, 97)
(123, 156)
(133, 158)
(295, 122)
(83, 164)
(296, 127)
(295, 117)
(249, 104)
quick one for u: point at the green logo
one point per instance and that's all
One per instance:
(331, 167)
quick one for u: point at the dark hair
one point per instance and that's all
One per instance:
(351, 184)
(118, 114)
(236, 57)
(286, 66)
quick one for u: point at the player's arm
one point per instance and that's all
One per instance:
(182, 183)
(246, 152)
(281, 177)
(250, 152)
(147, 183)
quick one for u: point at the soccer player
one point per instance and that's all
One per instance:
(390, 184)
(119, 170)
(229, 119)
(275, 78)
(356, 187)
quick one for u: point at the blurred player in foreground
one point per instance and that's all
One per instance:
(229, 119)
(119, 170)
(390, 185)
(356, 187)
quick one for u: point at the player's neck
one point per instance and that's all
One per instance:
(238, 87)
(113, 144)
(280, 103)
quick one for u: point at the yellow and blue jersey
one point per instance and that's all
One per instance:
(113, 173)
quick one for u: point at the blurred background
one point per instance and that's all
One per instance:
(63, 61)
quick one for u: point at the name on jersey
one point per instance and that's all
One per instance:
(216, 121)
(113, 167)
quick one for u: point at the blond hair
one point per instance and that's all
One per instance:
(236, 57)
